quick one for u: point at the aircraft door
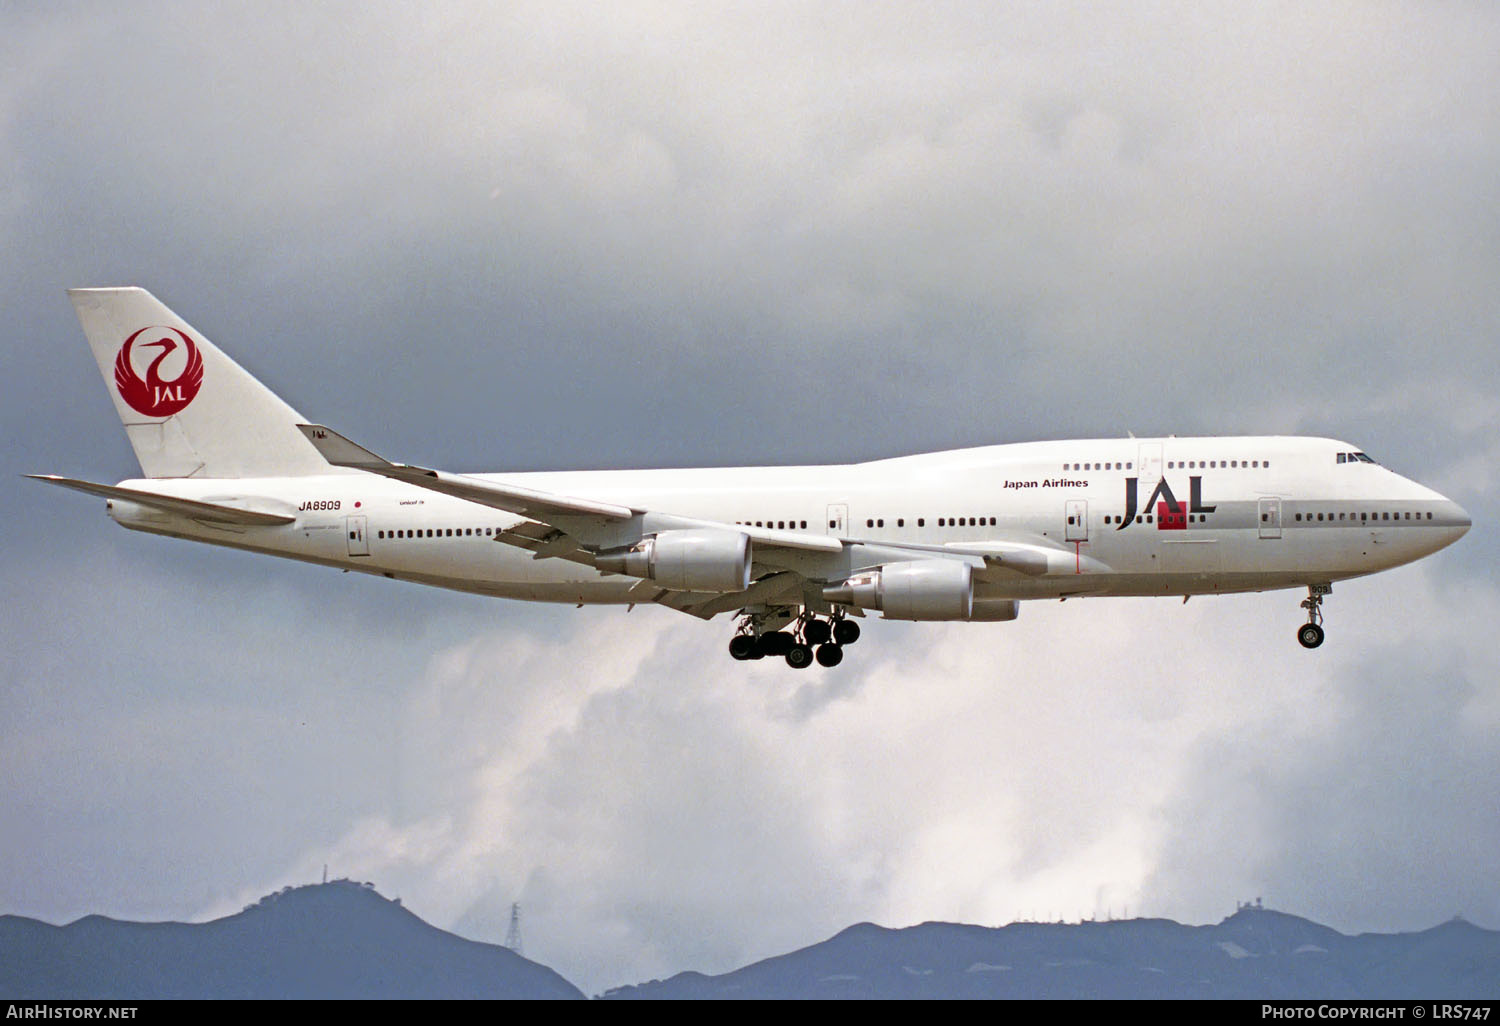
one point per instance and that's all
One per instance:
(838, 520)
(1078, 520)
(1149, 467)
(359, 541)
(1270, 517)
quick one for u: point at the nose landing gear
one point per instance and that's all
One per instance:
(1310, 634)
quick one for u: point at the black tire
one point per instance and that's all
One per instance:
(799, 657)
(830, 655)
(776, 643)
(742, 646)
(846, 632)
(815, 632)
(1310, 635)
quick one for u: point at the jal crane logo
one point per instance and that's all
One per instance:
(152, 395)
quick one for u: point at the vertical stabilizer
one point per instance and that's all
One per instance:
(189, 410)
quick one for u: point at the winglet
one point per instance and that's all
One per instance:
(340, 452)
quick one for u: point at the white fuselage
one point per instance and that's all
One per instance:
(1263, 512)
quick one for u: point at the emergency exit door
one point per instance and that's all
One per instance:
(359, 542)
(1077, 512)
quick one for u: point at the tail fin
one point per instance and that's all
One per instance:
(189, 410)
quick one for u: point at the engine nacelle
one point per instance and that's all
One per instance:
(924, 589)
(995, 610)
(698, 560)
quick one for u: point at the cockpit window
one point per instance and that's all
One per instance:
(1354, 457)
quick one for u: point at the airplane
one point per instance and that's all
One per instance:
(798, 553)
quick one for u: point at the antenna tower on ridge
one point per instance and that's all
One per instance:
(513, 935)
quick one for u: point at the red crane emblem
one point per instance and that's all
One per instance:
(152, 396)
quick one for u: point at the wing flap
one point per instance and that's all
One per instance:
(780, 587)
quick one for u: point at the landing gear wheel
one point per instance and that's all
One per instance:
(777, 642)
(830, 655)
(743, 646)
(815, 632)
(799, 657)
(846, 632)
(1310, 634)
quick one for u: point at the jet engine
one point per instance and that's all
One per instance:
(924, 589)
(697, 560)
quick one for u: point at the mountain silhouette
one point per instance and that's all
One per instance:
(333, 940)
(1256, 953)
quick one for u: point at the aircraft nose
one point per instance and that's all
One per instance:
(1459, 518)
(1454, 522)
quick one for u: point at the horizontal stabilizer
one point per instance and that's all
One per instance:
(191, 508)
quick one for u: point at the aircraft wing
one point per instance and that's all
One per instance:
(787, 562)
(612, 525)
(525, 502)
(209, 511)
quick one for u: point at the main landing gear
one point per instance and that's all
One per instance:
(808, 639)
(1310, 634)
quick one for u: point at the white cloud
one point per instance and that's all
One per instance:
(656, 807)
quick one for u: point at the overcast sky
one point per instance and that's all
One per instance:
(514, 237)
